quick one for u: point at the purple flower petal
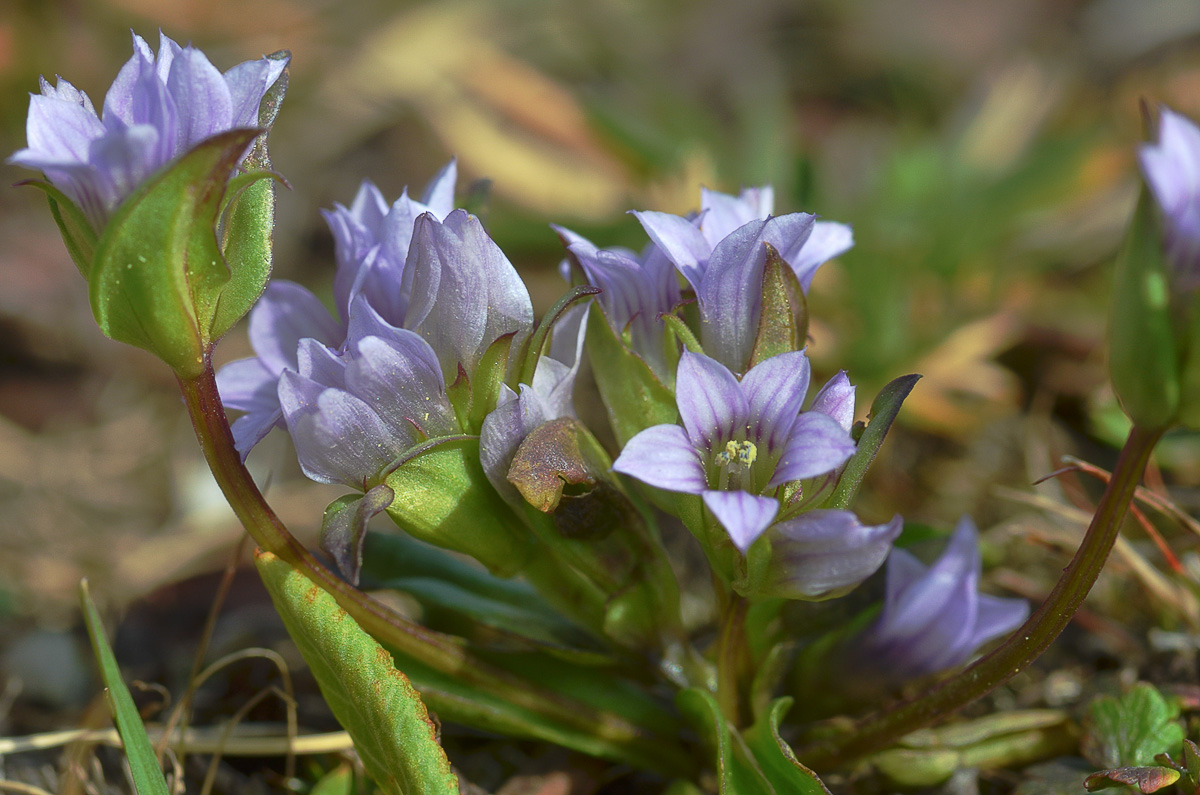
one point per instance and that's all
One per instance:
(817, 445)
(828, 240)
(663, 456)
(933, 617)
(823, 553)
(1172, 170)
(439, 193)
(401, 378)
(157, 108)
(338, 438)
(730, 296)
(286, 314)
(201, 96)
(721, 214)
(711, 403)
(836, 399)
(775, 389)
(681, 241)
(248, 82)
(744, 516)
(247, 385)
(465, 294)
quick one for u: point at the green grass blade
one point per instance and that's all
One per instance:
(143, 764)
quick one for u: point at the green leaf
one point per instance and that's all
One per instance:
(373, 701)
(444, 498)
(143, 764)
(158, 271)
(447, 585)
(247, 243)
(489, 375)
(599, 730)
(1145, 779)
(738, 773)
(632, 394)
(1132, 730)
(883, 414)
(1143, 355)
(77, 232)
(776, 757)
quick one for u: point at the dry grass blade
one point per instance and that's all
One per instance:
(251, 740)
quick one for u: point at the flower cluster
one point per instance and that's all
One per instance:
(431, 392)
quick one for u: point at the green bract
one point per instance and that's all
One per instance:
(159, 279)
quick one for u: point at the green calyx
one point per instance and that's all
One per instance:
(184, 257)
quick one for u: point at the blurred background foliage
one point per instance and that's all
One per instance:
(983, 150)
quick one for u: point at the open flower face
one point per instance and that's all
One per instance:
(739, 441)
(159, 107)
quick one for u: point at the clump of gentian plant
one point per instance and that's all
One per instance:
(435, 396)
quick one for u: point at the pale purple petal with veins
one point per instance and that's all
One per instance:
(817, 445)
(836, 399)
(743, 515)
(775, 389)
(712, 405)
(464, 293)
(338, 438)
(824, 553)
(682, 242)
(157, 108)
(663, 456)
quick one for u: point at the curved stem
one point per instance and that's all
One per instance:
(441, 652)
(881, 729)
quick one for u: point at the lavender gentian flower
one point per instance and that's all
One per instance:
(158, 108)
(637, 290)
(372, 242)
(740, 440)
(721, 254)
(1172, 171)
(352, 412)
(934, 617)
(823, 553)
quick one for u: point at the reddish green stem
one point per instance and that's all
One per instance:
(884, 728)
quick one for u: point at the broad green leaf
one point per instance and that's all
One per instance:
(158, 271)
(1142, 356)
(632, 394)
(883, 412)
(373, 701)
(778, 761)
(77, 232)
(1132, 730)
(143, 764)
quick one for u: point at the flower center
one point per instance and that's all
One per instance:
(733, 464)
